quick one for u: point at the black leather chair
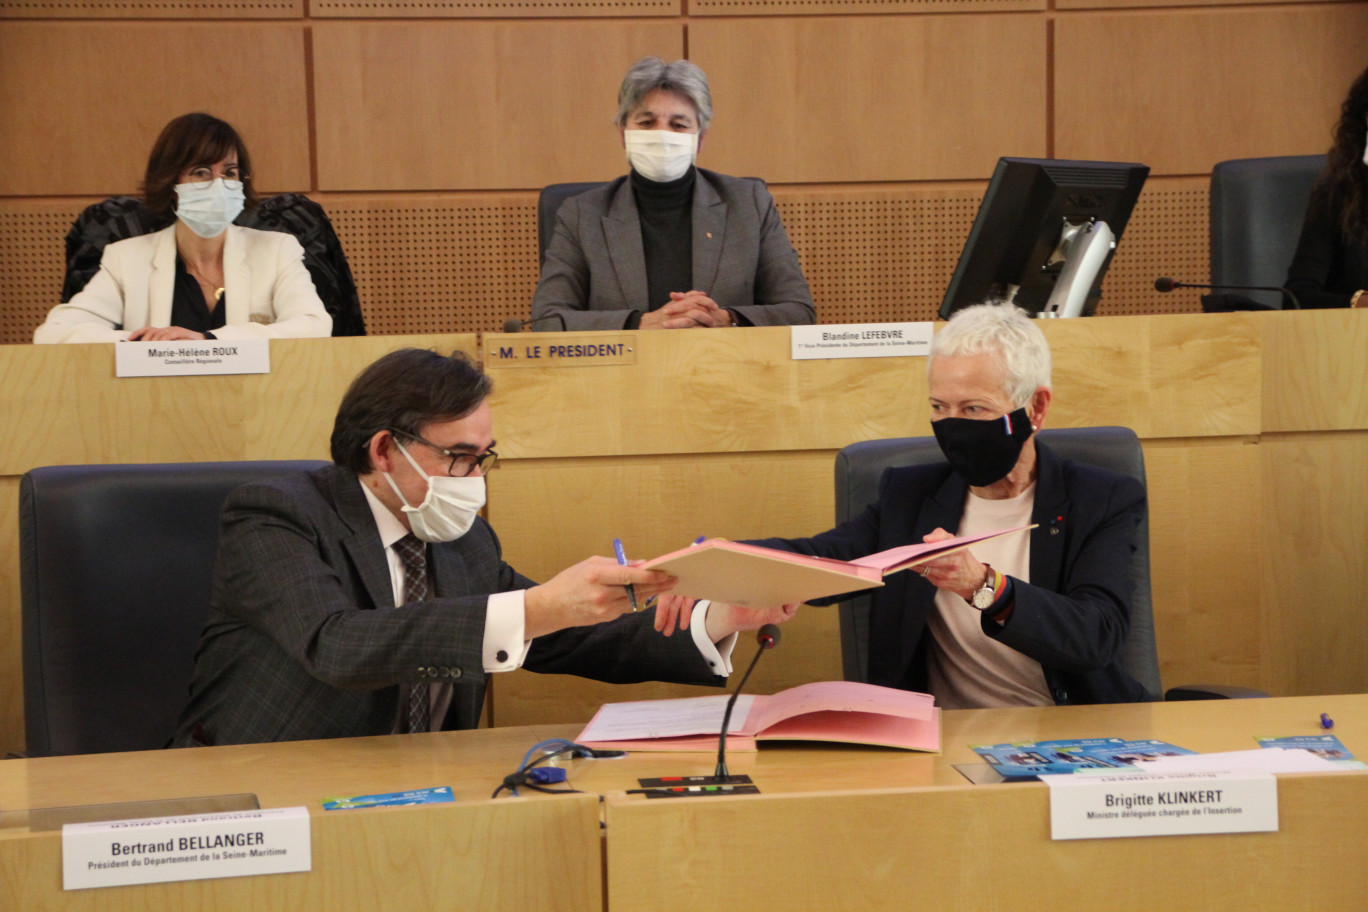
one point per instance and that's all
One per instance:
(1257, 209)
(122, 217)
(860, 466)
(549, 203)
(116, 566)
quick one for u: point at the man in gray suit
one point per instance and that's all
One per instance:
(670, 246)
(304, 639)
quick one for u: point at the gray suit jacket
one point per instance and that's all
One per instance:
(303, 640)
(595, 270)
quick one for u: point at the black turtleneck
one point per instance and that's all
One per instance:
(666, 214)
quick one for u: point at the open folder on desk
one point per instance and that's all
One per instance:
(843, 711)
(756, 577)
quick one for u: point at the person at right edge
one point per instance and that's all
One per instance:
(1024, 620)
(670, 245)
(1330, 267)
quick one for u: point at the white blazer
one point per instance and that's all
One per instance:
(267, 291)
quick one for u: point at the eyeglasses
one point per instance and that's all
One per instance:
(205, 185)
(462, 464)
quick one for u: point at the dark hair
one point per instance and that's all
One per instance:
(403, 391)
(187, 141)
(1342, 190)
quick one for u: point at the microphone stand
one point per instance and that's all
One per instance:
(768, 638)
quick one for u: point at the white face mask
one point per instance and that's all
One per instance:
(210, 210)
(660, 155)
(450, 508)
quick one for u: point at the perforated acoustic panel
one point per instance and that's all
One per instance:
(439, 264)
(887, 255)
(32, 262)
(492, 9)
(151, 9)
(462, 263)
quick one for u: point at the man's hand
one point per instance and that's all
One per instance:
(163, 334)
(676, 611)
(686, 310)
(961, 572)
(590, 592)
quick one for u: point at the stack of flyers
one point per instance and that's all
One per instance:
(1028, 759)
(1327, 746)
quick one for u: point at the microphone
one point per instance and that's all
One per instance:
(513, 324)
(1165, 284)
(767, 637)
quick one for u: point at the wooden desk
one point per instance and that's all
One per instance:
(834, 828)
(864, 830)
(473, 854)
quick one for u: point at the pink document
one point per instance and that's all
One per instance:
(905, 556)
(839, 711)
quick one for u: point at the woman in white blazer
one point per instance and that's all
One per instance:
(202, 277)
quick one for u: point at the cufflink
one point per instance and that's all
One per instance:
(501, 656)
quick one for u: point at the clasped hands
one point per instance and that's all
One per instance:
(686, 310)
(163, 334)
(595, 590)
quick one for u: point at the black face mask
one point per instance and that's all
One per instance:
(982, 452)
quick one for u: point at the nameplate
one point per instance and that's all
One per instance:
(1105, 806)
(860, 340)
(197, 847)
(579, 349)
(192, 359)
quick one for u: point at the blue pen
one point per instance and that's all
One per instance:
(1326, 721)
(651, 602)
(622, 559)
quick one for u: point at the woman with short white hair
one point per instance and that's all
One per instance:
(1031, 619)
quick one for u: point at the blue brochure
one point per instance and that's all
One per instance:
(440, 795)
(1028, 759)
(1327, 746)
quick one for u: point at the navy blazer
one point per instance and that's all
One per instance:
(1072, 617)
(303, 639)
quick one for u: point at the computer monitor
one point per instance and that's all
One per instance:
(1044, 235)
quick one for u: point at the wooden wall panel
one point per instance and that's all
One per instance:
(1147, 4)
(1314, 536)
(1329, 356)
(82, 103)
(11, 627)
(855, 7)
(1182, 90)
(872, 98)
(473, 105)
(1204, 503)
(162, 9)
(490, 9)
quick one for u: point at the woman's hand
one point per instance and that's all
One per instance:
(960, 573)
(164, 334)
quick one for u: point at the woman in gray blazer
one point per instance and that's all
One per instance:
(202, 277)
(670, 245)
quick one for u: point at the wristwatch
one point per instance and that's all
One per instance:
(985, 595)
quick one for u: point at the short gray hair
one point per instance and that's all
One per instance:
(651, 73)
(1009, 333)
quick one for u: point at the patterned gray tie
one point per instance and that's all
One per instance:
(411, 552)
